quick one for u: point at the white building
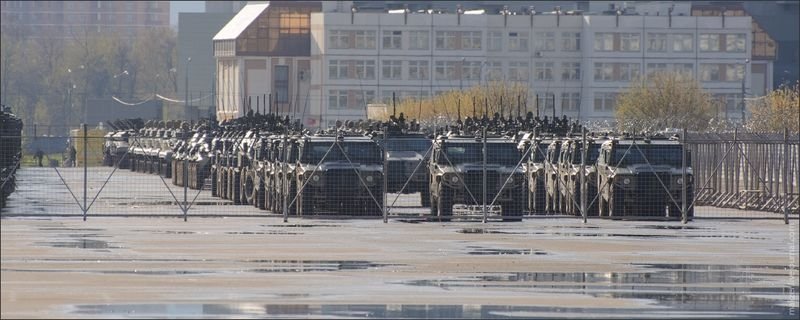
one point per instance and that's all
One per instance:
(575, 63)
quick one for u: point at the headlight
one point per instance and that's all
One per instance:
(626, 181)
(454, 179)
(315, 178)
(679, 181)
(511, 180)
(370, 179)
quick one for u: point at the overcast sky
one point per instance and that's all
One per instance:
(184, 6)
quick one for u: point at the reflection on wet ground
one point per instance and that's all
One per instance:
(481, 251)
(82, 243)
(606, 234)
(695, 287)
(299, 225)
(394, 311)
(255, 266)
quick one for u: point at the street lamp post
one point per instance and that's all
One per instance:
(744, 80)
(186, 102)
(461, 74)
(71, 88)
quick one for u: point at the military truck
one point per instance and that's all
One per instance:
(283, 184)
(641, 177)
(551, 181)
(456, 174)
(339, 173)
(407, 156)
(535, 171)
(570, 171)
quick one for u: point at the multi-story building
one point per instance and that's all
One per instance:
(67, 19)
(575, 64)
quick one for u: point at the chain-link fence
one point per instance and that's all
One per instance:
(479, 176)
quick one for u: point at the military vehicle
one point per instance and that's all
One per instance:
(10, 152)
(407, 157)
(642, 177)
(339, 173)
(115, 147)
(456, 170)
(283, 184)
(570, 170)
(534, 170)
(551, 180)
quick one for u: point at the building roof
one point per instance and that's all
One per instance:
(239, 23)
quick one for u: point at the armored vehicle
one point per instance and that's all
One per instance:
(456, 170)
(643, 178)
(407, 156)
(282, 183)
(534, 170)
(570, 170)
(339, 173)
(10, 152)
(551, 181)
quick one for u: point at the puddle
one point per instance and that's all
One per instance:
(80, 243)
(264, 232)
(660, 227)
(71, 229)
(165, 231)
(261, 266)
(691, 287)
(391, 311)
(592, 234)
(482, 251)
(299, 225)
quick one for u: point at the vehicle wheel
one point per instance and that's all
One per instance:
(248, 195)
(261, 197)
(236, 181)
(445, 204)
(214, 182)
(425, 196)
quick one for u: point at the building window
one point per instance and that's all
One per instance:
(734, 72)
(603, 41)
(729, 101)
(338, 39)
(605, 101)
(392, 69)
(709, 72)
(337, 69)
(494, 70)
(495, 41)
(393, 39)
(544, 41)
(603, 71)
(653, 68)
(471, 70)
(629, 41)
(518, 41)
(363, 98)
(735, 42)
(446, 40)
(544, 70)
(570, 101)
(709, 42)
(628, 71)
(682, 42)
(570, 71)
(365, 39)
(471, 40)
(365, 69)
(337, 99)
(418, 70)
(281, 84)
(445, 70)
(545, 101)
(419, 40)
(571, 41)
(684, 68)
(657, 42)
(518, 71)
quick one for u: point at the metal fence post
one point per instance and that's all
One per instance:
(684, 214)
(385, 175)
(582, 174)
(185, 188)
(485, 213)
(284, 183)
(785, 175)
(85, 166)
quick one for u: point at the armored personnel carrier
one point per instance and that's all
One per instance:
(10, 152)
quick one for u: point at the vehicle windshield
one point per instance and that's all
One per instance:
(358, 152)
(497, 153)
(539, 155)
(591, 156)
(669, 155)
(418, 145)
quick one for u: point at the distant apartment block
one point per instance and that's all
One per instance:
(67, 19)
(325, 61)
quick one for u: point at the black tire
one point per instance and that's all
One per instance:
(235, 183)
(214, 182)
(425, 195)
(261, 197)
(248, 187)
(445, 204)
